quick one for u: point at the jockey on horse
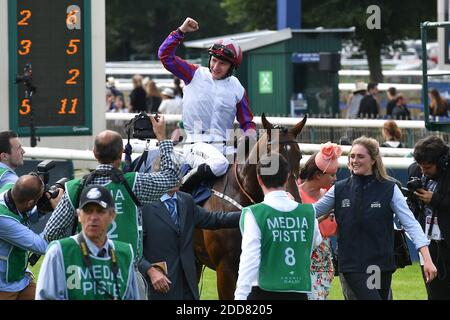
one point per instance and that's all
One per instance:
(212, 98)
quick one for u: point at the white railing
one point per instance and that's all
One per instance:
(393, 158)
(306, 148)
(349, 72)
(343, 86)
(288, 121)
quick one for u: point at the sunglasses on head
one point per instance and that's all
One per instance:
(222, 49)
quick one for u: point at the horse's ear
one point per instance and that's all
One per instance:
(298, 127)
(266, 124)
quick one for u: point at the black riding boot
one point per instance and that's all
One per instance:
(203, 173)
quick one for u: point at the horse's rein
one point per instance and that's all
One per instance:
(240, 185)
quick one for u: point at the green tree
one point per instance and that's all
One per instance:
(140, 26)
(250, 15)
(400, 19)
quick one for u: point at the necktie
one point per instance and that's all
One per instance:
(172, 208)
(101, 253)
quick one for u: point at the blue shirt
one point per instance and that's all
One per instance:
(165, 197)
(9, 176)
(399, 207)
(13, 233)
(52, 282)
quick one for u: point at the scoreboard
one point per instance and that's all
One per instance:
(50, 58)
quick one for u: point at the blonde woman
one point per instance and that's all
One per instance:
(364, 206)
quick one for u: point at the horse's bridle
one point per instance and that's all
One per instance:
(284, 143)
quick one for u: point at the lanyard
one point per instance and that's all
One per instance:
(87, 264)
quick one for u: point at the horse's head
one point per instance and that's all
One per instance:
(284, 141)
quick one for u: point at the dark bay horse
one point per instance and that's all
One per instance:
(220, 249)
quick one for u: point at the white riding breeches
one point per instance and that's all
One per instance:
(200, 152)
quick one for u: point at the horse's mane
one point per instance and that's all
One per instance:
(257, 150)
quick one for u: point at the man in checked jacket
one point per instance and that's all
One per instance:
(145, 187)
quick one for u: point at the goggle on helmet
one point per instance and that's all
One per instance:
(228, 50)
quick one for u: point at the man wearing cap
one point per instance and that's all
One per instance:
(89, 266)
(169, 105)
(212, 99)
(354, 100)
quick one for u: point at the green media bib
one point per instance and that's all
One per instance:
(17, 259)
(99, 283)
(286, 247)
(125, 227)
(8, 185)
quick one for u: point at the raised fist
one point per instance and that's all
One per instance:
(189, 25)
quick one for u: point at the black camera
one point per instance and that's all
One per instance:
(142, 126)
(414, 184)
(27, 75)
(43, 205)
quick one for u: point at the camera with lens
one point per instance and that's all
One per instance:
(142, 126)
(414, 184)
(27, 75)
(43, 205)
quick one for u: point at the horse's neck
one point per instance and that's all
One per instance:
(247, 171)
(247, 176)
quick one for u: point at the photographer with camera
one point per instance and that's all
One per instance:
(11, 157)
(430, 202)
(130, 190)
(16, 239)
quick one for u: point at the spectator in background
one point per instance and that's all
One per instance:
(400, 111)
(178, 91)
(153, 98)
(111, 85)
(169, 105)
(392, 135)
(369, 106)
(354, 100)
(121, 106)
(110, 105)
(438, 105)
(391, 94)
(138, 95)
